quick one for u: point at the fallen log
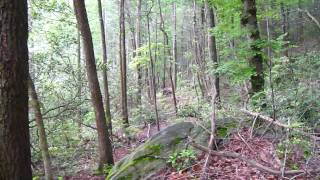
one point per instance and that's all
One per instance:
(276, 122)
(251, 162)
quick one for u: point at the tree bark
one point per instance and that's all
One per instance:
(138, 45)
(285, 26)
(249, 20)
(105, 148)
(213, 54)
(35, 104)
(15, 155)
(174, 47)
(105, 69)
(123, 66)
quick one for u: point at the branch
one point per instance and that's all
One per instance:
(310, 16)
(276, 122)
(250, 162)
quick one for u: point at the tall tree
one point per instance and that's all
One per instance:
(249, 20)
(138, 45)
(174, 44)
(35, 104)
(15, 155)
(105, 69)
(105, 148)
(153, 77)
(167, 52)
(213, 55)
(123, 66)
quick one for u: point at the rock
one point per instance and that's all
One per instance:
(151, 156)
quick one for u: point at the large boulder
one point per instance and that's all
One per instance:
(151, 156)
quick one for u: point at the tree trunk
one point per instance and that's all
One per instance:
(285, 26)
(105, 148)
(167, 52)
(249, 20)
(35, 104)
(174, 47)
(15, 155)
(153, 78)
(105, 70)
(123, 66)
(200, 72)
(213, 48)
(138, 44)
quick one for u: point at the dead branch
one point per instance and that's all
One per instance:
(251, 162)
(276, 122)
(310, 16)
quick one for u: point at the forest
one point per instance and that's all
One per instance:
(159, 89)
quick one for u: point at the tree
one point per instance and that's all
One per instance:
(105, 69)
(249, 20)
(167, 52)
(15, 155)
(35, 104)
(153, 77)
(105, 148)
(212, 46)
(123, 66)
(138, 45)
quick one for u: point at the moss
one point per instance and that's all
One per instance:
(155, 148)
(177, 140)
(132, 163)
(224, 131)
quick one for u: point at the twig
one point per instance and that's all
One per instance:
(212, 132)
(253, 124)
(245, 142)
(250, 162)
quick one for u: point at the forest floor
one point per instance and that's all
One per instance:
(262, 150)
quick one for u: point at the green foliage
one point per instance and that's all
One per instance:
(294, 144)
(182, 160)
(107, 169)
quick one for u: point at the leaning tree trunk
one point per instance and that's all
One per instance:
(249, 20)
(15, 155)
(105, 148)
(123, 66)
(105, 70)
(213, 48)
(35, 104)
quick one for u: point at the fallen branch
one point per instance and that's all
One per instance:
(251, 162)
(275, 122)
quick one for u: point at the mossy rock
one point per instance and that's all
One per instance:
(152, 156)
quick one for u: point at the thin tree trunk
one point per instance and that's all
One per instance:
(35, 104)
(105, 148)
(138, 44)
(174, 47)
(166, 43)
(154, 93)
(105, 70)
(284, 15)
(123, 66)
(213, 48)
(79, 113)
(249, 20)
(200, 75)
(15, 155)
